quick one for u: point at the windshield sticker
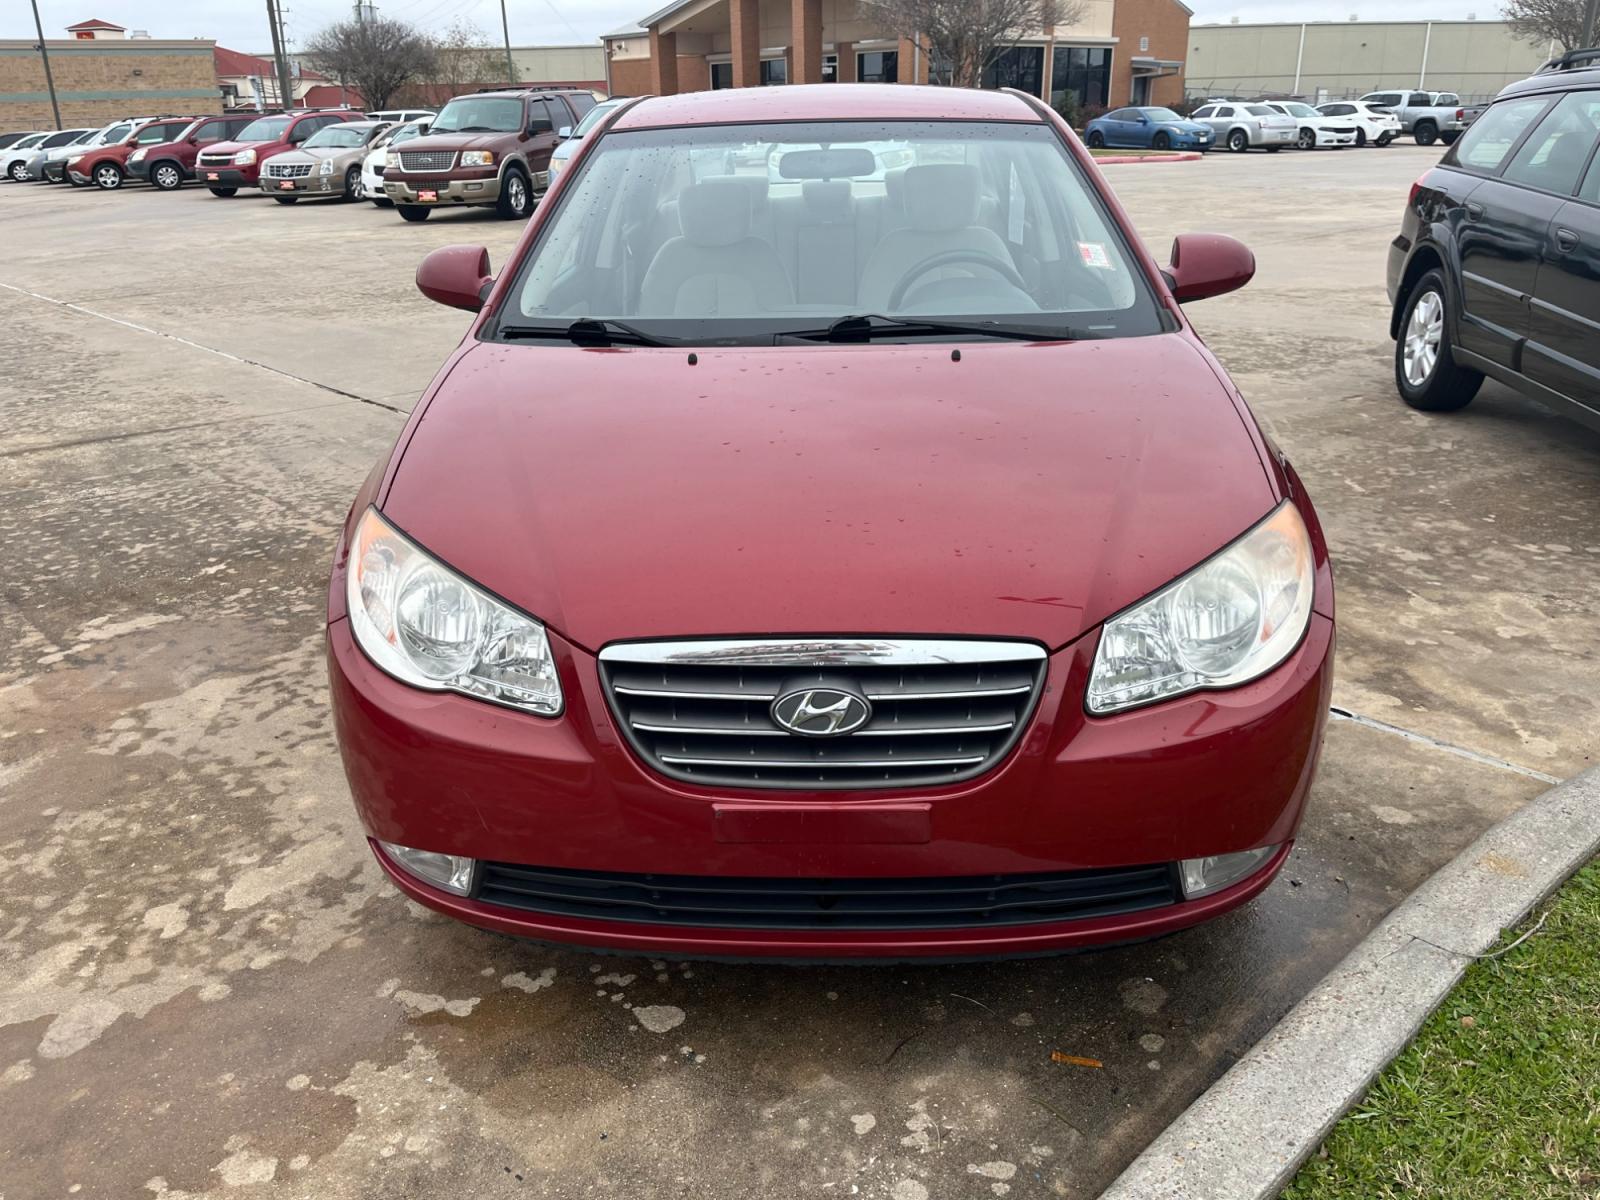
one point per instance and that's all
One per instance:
(1094, 255)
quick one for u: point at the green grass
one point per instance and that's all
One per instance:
(1499, 1096)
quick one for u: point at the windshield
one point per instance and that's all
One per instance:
(479, 114)
(1259, 110)
(112, 134)
(1161, 114)
(406, 132)
(267, 129)
(736, 233)
(33, 139)
(591, 119)
(339, 137)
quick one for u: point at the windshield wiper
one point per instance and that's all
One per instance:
(589, 331)
(864, 327)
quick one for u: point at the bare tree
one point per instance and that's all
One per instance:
(968, 35)
(464, 60)
(376, 57)
(1570, 23)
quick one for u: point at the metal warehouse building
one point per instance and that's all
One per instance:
(1320, 59)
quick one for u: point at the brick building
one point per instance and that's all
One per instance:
(1118, 51)
(100, 75)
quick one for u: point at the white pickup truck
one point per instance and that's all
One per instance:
(1426, 116)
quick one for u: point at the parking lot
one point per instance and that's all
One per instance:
(205, 981)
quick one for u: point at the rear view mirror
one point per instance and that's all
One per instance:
(1208, 264)
(564, 133)
(456, 275)
(826, 164)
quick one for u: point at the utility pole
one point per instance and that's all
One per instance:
(49, 80)
(280, 62)
(511, 68)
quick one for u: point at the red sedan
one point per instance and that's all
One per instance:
(831, 540)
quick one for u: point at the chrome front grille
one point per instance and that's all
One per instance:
(427, 160)
(940, 711)
(288, 170)
(215, 160)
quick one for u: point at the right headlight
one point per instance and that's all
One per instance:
(427, 626)
(244, 158)
(1233, 618)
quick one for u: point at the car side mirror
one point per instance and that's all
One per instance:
(564, 133)
(456, 275)
(1208, 264)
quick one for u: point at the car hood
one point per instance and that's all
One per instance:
(1187, 126)
(1029, 490)
(457, 141)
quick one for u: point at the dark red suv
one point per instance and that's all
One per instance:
(228, 166)
(832, 540)
(167, 164)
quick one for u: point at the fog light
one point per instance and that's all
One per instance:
(446, 871)
(1202, 876)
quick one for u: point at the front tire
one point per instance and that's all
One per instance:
(1425, 370)
(1384, 140)
(1426, 133)
(1161, 142)
(224, 192)
(412, 212)
(383, 201)
(286, 199)
(108, 177)
(1097, 140)
(1449, 138)
(1308, 139)
(1238, 141)
(166, 176)
(352, 184)
(19, 172)
(1361, 138)
(516, 196)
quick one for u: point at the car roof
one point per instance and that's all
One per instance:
(1553, 81)
(825, 102)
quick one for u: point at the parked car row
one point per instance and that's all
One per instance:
(1270, 125)
(494, 148)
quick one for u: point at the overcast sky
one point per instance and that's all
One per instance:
(242, 24)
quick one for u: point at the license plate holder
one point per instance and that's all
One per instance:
(212, 177)
(286, 185)
(428, 195)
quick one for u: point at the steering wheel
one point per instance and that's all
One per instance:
(950, 258)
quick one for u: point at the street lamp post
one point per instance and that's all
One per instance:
(44, 54)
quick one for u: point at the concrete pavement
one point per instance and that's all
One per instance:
(205, 983)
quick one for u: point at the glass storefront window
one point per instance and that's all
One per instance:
(1082, 70)
(1021, 67)
(878, 66)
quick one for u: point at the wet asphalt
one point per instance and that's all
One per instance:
(207, 987)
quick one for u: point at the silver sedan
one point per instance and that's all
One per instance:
(1240, 126)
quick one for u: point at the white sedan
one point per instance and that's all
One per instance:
(372, 165)
(1374, 126)
(570, 137)
(1317, 129)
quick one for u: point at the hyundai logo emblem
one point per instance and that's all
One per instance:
(821, 712)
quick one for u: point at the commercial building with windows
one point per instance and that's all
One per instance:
(1322, 60)
(101, 73)
(1118, 52)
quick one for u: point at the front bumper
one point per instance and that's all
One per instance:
(1206, 774)
(1346, 138)
(415, 189)
(305, 185)
(234, 177)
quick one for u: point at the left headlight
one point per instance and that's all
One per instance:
(136, 156)
(477, 158)
(245, 157)
(430, 628)
(1233, 618)
(326, 168)
(74, 158)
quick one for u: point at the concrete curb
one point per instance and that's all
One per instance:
(1245, 1138)
(1114, 160)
